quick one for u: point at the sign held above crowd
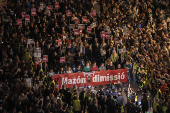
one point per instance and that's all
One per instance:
(33, 11)
(45, 58)
(68, 13)
(37, 52)
(57, 6)
(84, 19)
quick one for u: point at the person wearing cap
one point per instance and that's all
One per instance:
(94, 67)
(61, 71)
(120, 99)
(110, 66)
(87, 68)
(102, 67)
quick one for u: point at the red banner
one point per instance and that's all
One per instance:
(94, 78)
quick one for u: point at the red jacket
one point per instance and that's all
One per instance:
(163, 87)
(94, 68)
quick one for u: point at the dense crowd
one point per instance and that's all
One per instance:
(141, 27)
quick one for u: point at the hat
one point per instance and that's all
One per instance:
(119, 93)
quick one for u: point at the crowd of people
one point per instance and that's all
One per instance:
(141, 27)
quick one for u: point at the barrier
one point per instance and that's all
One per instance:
(94, 78)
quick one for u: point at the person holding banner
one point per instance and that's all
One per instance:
(69, 70)
(110, 66)
(51, 73)
(102, 67)
(87, 68)
(94, 67)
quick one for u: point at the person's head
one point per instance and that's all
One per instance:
(28, 54)
(143, 71)
(55, 53)
(63, 86)
(157, 100)
(84, 89)
(113, 90)
(94, 64)
(110, 63)
(127, 62)
(102, 64)
(69, 53)
(79, 54)
(163, 82)
(79, 67)
(129, 101)
(51, 70)
(108, 59)
(75, 86)
(119, 94)
(97, 44)
(87, 64)
(69, 68)
(119, 66)
(61, 69)
(114, 52)
(47, 98)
